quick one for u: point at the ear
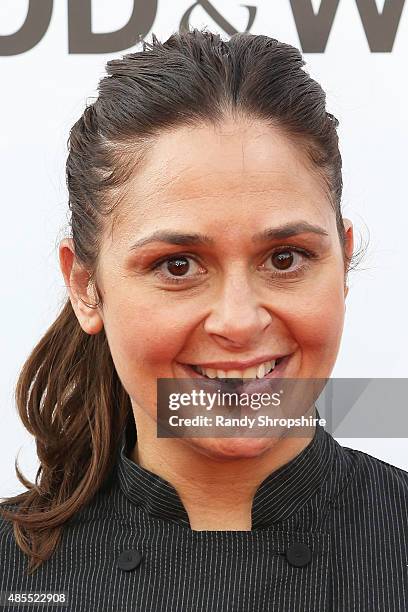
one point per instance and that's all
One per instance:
(80, 291)
(349, 246)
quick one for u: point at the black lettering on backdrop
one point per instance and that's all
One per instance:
(314, 28)
(380, 28)
(81, 39)
(31, 32)
(217, 17)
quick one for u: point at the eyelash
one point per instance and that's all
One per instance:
(309, 255)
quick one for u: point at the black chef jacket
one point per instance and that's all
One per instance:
(329, 533)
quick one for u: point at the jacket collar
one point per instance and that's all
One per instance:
(281, 494)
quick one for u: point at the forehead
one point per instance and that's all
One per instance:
(233, 173)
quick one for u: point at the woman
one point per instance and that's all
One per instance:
(207, 239)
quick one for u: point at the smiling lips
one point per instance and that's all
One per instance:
(257, 370)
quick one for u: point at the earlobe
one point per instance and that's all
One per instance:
(88, 316)
(349, 238)
(84, 303)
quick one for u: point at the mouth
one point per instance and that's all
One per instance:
(267, 370)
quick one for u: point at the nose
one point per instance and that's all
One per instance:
(237, 318)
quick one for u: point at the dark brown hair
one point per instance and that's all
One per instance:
(68, 394)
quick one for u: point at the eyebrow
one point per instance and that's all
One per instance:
(272, 233)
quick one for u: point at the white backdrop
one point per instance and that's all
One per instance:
(44, 90)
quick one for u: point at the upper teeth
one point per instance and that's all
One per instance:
(258, 371)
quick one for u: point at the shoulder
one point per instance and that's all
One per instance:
(372, 480)
(377, 468)
(11, 555)
(97, 519)
(87, 530)
(6, 526)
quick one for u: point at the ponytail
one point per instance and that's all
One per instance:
(69, 397)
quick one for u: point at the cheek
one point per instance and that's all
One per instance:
(143, 334)
(317, 322)
(139, 339)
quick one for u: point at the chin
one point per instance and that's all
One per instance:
(232, 448)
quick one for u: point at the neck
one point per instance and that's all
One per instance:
(217, 492)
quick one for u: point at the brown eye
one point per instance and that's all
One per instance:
(178, 269)
(288, 262)
(178, 266)
(283, 260)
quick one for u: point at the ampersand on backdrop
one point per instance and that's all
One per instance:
(217, 17)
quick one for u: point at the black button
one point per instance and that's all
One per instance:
(129, 560)
(299, 554)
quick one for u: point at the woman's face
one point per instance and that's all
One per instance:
(225, 249)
